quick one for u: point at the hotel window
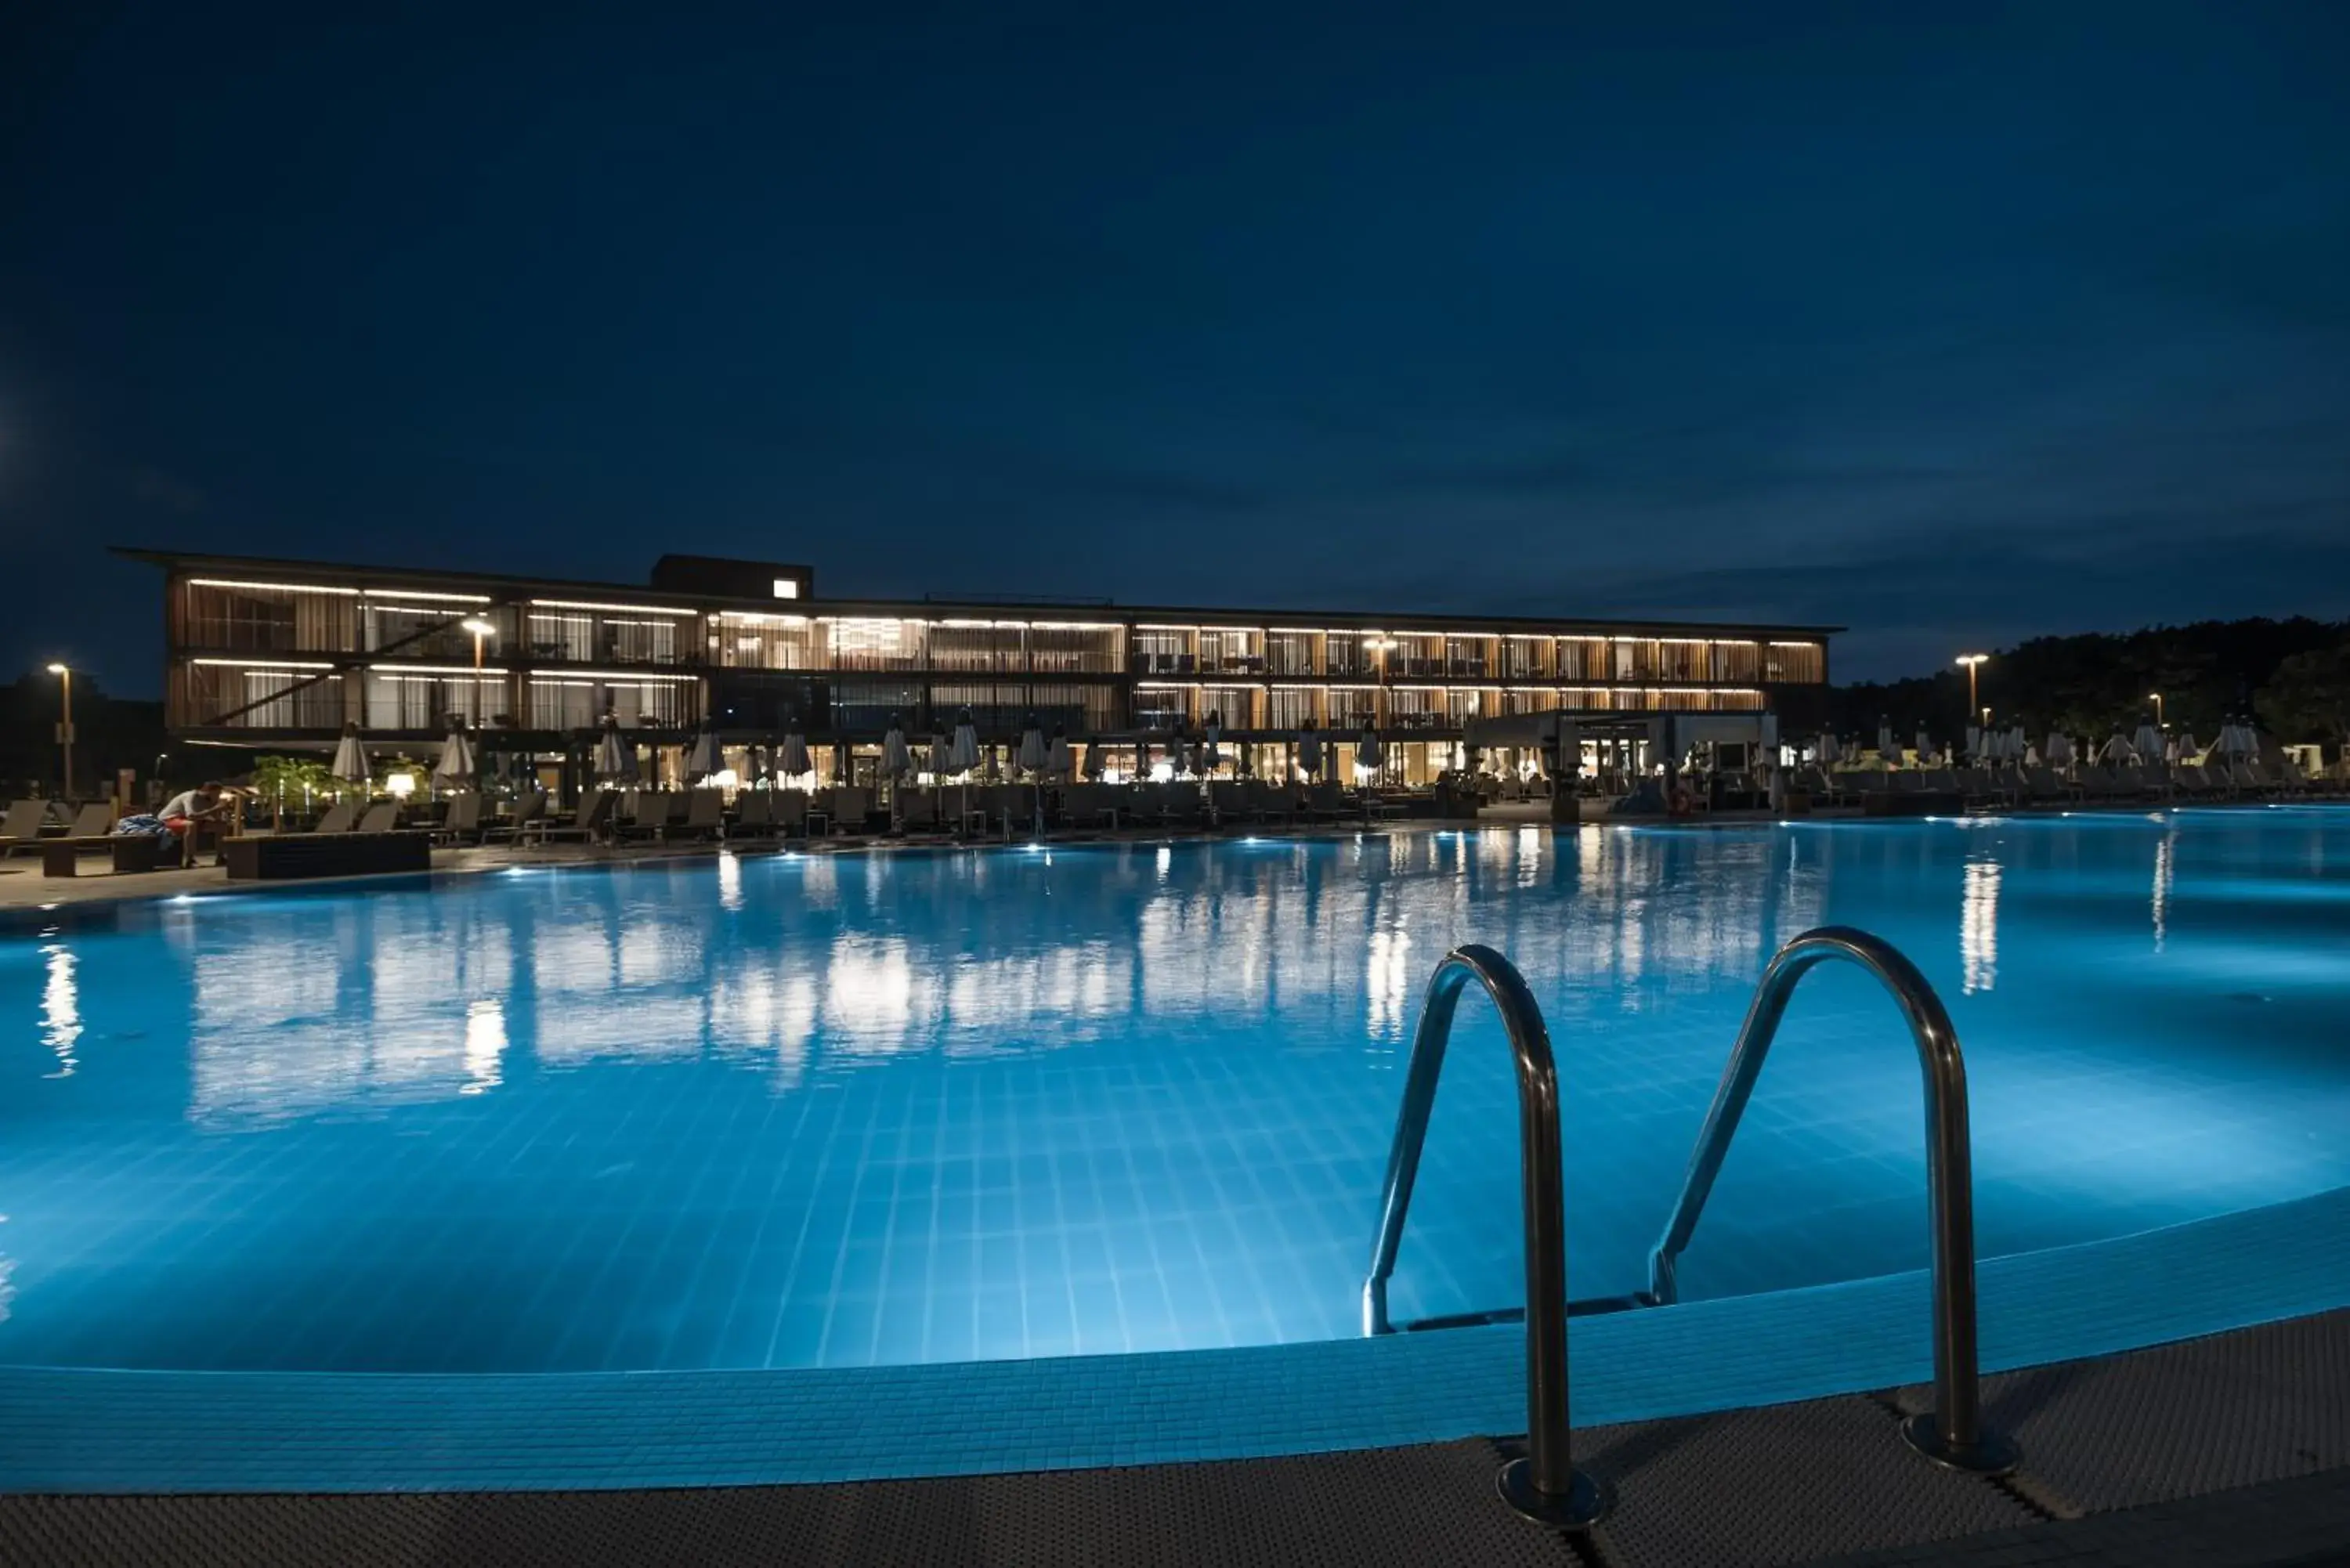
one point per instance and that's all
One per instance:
(1237, 704)
(1585, 659)
(869, 706)
(206, 696)
(1634, 658)
(997, 708)
(1532, 701)
(1162, 651)
(879, 644)
(1228, 651)
(1737, 661)
(251, 618)
(424, 701)
(1799, 662)
(1352, 707)
(1683, 659)
(1162, 707)
(1347, 654)
(1077, 709)
(1073, 650)
(1467, 705)
(1525, 657)
(767, 642)
(1289, 653)
(1466, 658)
(1289, 708)
(1416, 655)
(581, 702)
(979, 647)
(1417, 708)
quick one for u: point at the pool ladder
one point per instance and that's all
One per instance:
(1545, 1484)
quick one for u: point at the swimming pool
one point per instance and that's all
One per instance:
(811, 1111)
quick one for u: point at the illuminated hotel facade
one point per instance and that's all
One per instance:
(283, 654)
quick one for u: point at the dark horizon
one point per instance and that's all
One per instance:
(1954, 328)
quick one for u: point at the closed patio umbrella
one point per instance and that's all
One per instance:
(1887, 752)
(705, 759)
(1925, 744)
(2117, 749)
(350, 757)
(1031, 757)
(1095, 760)
(1368, 755)
(962, 755)
(1213, 757)
(1825, 751)
(456, 765)
(2187, 750)
(2148, 743)
(897, 758)
(616, 760)
(1060, 762)
(941, 758)
(1309, 751)
(792, 759)
(2060, 749)
(1178, 755)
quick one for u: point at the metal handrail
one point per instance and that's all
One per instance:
(1545, 1484)
(1952, 1431)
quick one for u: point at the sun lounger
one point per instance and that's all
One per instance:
(918, 810)
(339, 817)
(464, 823)
(1183, 802)
(383, 818)
(754, 815)
(848, 808)
(22, 829)
(529, 808)
(705, 816)
(592, 820)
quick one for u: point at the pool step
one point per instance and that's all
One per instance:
(1590, 1306)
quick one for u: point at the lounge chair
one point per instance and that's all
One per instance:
(705, 816)
(1183, 800)
(339, 817)
(848, 808)
(464, 823)
(383, 818)
(93, 824)
(754, 815)
(528, 808)
(918, 810)
(22, 827)
(1228, 798)
(592, 820)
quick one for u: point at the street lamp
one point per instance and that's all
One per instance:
(65, 722)
(1973, 661)
(479, 629)
(2157, 697)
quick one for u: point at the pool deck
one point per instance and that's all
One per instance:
(2229, 1451)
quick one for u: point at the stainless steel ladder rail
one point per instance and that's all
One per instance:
(1952, 1433)
(1543, 1485)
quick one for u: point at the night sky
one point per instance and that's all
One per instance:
(1953, 323)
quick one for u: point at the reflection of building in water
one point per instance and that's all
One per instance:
(60, 1008)
(2164, 870)
(486, 1046)
(1979, 927)
(1387, 981)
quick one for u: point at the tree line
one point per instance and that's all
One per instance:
(2293, 676)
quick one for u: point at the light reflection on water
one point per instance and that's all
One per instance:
(844, 1084)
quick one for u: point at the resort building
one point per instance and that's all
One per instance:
(283, 654)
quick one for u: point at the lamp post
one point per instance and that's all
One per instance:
(1973, 661)
(479, 629)
(2157, 697)
(1381, 647)
(65, 723)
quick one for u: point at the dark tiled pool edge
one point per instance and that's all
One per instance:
(105, 1431)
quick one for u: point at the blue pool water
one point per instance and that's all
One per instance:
(809, 1111)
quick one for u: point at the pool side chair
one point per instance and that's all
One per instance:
(92, 825)
(754, 815)
(22, 827)
(464, 823)
(383, 818)
(918, 810)
(591, 821)
(528, 808)
(340, 817)
(705, 816)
